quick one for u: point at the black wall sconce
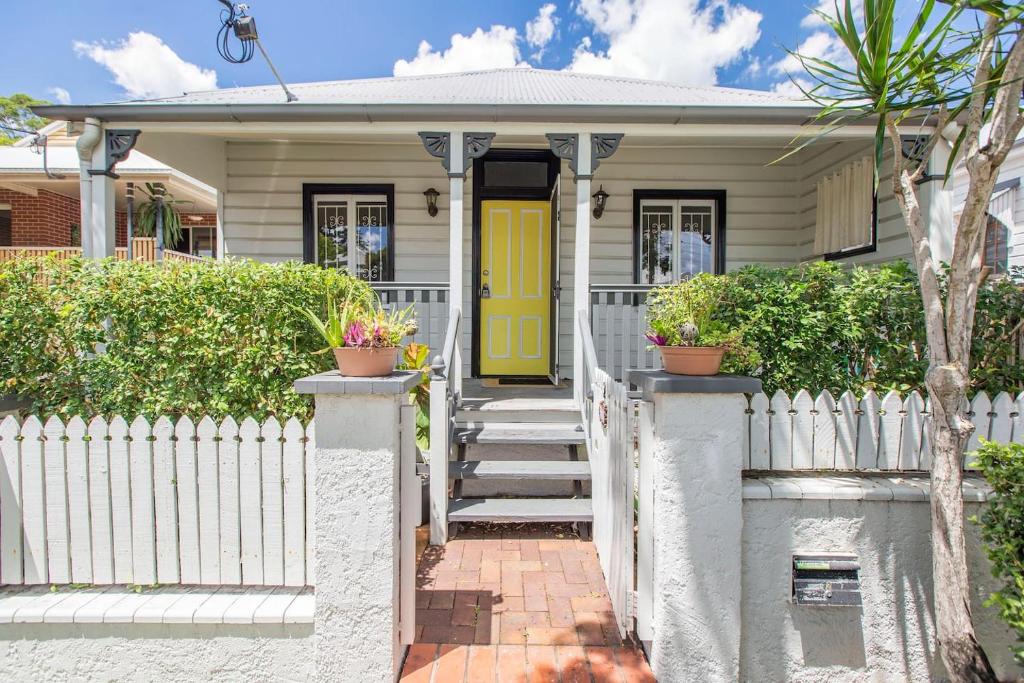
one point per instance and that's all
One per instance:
(600, 199)
(432, 196)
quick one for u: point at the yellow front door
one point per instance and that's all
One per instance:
(515, 287)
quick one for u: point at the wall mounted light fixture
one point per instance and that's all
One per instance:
(600, 199)
(432, 196)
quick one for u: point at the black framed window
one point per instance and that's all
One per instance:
(846, 221)
(996, 253)
(6, 236)
(350, 227)
(677, 234)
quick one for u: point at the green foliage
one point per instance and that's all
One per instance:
(417, 357)
(1002, 529)
(822, 326)
(15, 112)
(147, 210)
(217, 338)
(690, 314)
(356, 323)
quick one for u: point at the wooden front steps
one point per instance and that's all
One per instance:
(512, 453)
(520, 510)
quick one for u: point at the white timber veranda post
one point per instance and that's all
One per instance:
(456, 183)
(694, 443)
(581, 261)
(97, 205)
(357, 524)
(937, 195)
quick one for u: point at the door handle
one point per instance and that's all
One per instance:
(485, 292)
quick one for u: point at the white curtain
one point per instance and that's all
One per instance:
(845, 201)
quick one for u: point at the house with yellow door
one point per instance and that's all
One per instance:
(514, 199)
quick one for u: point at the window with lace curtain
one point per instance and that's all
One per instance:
(846, 220)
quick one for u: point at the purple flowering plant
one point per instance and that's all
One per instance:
(354, 324)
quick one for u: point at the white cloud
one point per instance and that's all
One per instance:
(146, 67)
(819, 44)
(792, 88)
(494, 48)
(541, 29)
(61, 95)
(685, 41)
(814, 20)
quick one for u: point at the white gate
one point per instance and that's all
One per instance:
(612, 422)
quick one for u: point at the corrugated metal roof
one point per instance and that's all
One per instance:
(65, 159)
(517, 86)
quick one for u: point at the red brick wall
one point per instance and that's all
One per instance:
(46, 219)
(43, 220)
(121, 224)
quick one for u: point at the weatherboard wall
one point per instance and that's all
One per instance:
(767, 207)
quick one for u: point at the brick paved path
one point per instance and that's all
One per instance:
(515, 603)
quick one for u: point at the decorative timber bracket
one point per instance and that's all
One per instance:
(474, 146)
(913, 148)
(117, 145)
(566, 146)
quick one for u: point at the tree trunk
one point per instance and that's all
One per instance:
(948, 432)
(949, 429)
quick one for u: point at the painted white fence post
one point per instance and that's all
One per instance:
(696, 452)
(357, 523)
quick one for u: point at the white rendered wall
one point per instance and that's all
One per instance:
(892, 638)
(140, 652)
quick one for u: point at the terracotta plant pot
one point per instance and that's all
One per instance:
(692, 360)
(359, 362)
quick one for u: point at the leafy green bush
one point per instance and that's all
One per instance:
(822, 326)
(81, 337)
(688, 314)
(1002, 529)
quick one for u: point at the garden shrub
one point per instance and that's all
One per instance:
(822, 326)
(115, 337)
(1002, 529)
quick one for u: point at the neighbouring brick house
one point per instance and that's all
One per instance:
(37, 210)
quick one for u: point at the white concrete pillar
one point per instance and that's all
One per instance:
(456, 181)
(356, 620)
(696, 450)
(581, 261)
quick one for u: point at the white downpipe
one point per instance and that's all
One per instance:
(85, 145)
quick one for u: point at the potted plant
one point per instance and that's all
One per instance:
(682, 323)
(145, 215)
(365, 339)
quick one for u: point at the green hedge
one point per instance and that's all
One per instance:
(209, 338)
(822, 326)
(1002, 529)
(220, 338)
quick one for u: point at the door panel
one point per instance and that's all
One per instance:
(556, 287)
(515, 288)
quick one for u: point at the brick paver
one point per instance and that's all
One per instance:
(514, 604)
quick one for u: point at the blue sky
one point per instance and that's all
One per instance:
(102, 50)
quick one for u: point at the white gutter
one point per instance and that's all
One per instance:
(86, 145)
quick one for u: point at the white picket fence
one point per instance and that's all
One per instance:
(871, 433)
(175, 503)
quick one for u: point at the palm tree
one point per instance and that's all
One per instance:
(961, 74)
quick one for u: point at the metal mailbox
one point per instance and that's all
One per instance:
(826, 580)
